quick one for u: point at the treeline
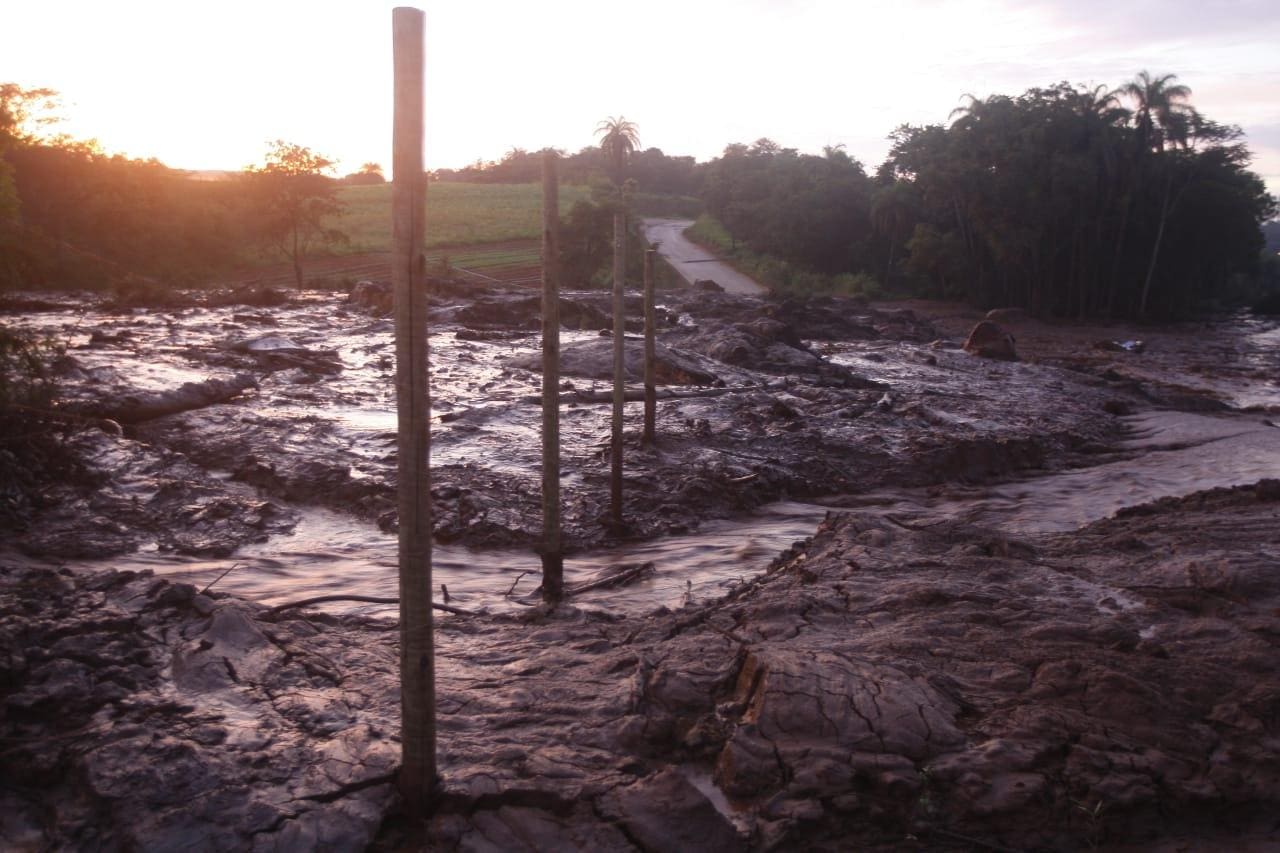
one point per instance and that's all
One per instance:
(812, 213)
(73, 216)
(1067, 201)
(653, 171)
(85, 219)
(656, 184)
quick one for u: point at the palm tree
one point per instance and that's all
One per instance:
(1099, 105)
(1163, 115)
(1161, 108)
(970, 111)
(620, 138)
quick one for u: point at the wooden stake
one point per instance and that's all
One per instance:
(650, 366)
(413, 407)
(619, 364)
(552, 552)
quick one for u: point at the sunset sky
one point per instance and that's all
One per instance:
(204, 86)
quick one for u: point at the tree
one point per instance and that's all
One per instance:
(19, 108)
(292, 198)
(618, 138)
(369, 174)
(1162, 113)
(892, 217)
(1063, 202)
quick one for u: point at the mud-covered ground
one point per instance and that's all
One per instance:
(934, 669)
(884, 686)
(293, 405)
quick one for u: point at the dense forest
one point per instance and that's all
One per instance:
(1068, 201)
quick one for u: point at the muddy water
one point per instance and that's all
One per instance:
(1167, 454)
(333, 554)
(477, 401)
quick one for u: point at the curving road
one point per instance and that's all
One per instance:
(694, 262)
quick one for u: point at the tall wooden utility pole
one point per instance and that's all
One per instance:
(413, 408)
(650, 385)
(552, 554)
(619, 360)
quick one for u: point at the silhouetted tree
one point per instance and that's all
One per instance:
(292, 198)
(369, 174)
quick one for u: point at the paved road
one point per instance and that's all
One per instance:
(694, 262)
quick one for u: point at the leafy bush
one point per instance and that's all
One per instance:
(33, 447)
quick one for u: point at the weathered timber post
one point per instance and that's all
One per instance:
(413, 408)
(619, 362)
(650, 366)
(552, 555)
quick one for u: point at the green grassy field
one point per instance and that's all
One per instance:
(457, 214)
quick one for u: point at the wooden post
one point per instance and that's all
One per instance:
(552, 552)
(619, 364)
(650, 329)
(413, 408)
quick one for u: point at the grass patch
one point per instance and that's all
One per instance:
(778, 275)
(457, 214)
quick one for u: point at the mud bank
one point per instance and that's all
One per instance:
(942, 687)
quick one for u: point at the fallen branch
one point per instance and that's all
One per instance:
(513, 584)
(234, 566)
(136, 408)
(635, 395)
(625, 576)
(370, 599)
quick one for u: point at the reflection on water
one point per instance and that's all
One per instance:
(331, 554)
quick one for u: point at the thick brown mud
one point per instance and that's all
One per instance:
(891, 687)
(1030, 621)
(762, 401)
